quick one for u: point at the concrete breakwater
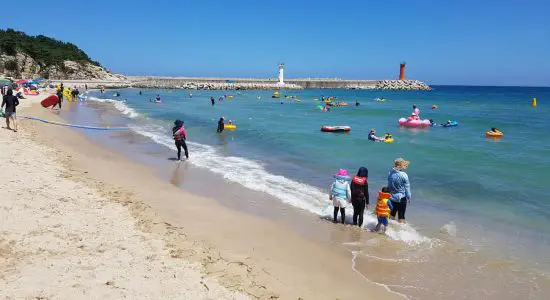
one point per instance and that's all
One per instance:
(402, 85)
(210, 84)
(198, 83)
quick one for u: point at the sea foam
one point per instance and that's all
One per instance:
(251, 174)
(120, 105)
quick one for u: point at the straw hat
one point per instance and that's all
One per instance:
(401, 164)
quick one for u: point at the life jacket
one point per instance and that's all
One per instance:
(359, 191)
(180, 134)
(382, 209)
(340, 188)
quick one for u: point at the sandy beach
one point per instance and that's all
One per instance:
(79, 221)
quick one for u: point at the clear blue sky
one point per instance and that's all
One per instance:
(483, 42)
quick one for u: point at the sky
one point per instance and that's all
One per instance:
(443, 42)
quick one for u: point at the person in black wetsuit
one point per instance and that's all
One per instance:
(221, 125)
(212, 100)
(59, 98)
(180, 136)
(11, 102)
(360, 195)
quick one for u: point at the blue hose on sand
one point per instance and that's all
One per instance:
(74, 125)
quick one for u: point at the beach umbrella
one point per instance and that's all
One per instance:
(5, 81)
(20, 81)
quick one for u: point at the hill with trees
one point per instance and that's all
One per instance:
(27, 56)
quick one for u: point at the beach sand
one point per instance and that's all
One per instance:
(79, 221)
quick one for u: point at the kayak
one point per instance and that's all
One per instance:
(335, 128)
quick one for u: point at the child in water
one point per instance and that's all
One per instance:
(340, 194)
(383, 209)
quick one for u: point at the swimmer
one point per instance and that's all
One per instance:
(373, 137)
(212, 101)
(432, 123)
(493, 129)
(221, 125)
(387, 136)
(357, 103)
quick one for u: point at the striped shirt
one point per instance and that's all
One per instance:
(399, 185)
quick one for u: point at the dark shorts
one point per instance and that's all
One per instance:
(399, 208)
(383, 221)
(9, 115)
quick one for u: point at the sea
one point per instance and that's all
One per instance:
(479, 218)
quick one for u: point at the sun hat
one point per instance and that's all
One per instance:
(401, 164)
(342, 172)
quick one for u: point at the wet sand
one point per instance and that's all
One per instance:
(242, 252)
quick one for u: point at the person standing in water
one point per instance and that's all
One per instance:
(400, 189)
(212, 101)
(180, 136)
(340, 194)
(221, 125)
(59, 98)
(360, 195)
(11, 102)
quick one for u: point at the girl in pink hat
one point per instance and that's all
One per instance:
(340, 194)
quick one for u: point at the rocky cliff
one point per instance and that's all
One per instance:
(25, 56)
(21, 65)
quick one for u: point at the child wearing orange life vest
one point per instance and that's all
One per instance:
(383, 209)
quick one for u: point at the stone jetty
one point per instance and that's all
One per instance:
(402, 85)
(198, 83)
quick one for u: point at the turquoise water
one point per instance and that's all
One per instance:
(492, 192)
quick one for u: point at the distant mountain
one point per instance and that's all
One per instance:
(24, 56)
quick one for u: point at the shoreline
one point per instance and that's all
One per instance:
(239, 250)
(404, 262)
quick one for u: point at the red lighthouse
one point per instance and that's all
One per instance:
(402, 71)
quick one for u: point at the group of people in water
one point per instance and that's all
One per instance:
(62, 92)
(392, 199)
(373, 137)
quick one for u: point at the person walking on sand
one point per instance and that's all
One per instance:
(360, 195)
(399, 188)
(11, 102)
(340, 194)
(180, 136)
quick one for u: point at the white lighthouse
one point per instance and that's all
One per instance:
(281, 74)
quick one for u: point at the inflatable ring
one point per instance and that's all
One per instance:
(494, 134)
